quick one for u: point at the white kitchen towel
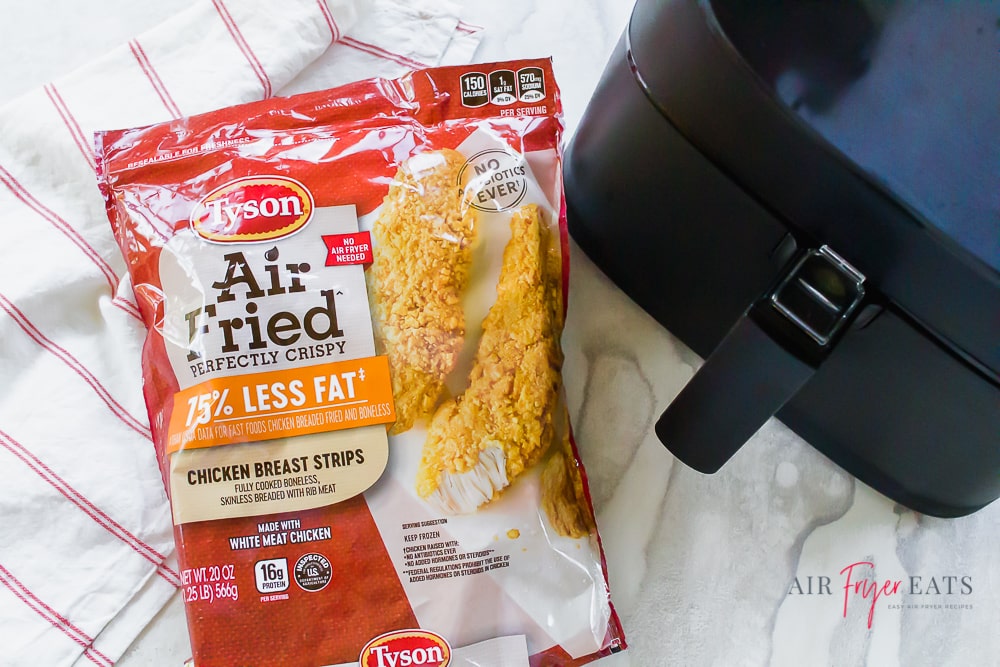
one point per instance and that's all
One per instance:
(86, 548)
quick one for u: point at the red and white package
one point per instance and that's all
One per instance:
(354, 301)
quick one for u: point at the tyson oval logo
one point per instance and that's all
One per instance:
(406, 648)
(251, 209)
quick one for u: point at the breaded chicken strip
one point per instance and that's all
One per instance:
(563, 497)
(479, 442)
(422, 244)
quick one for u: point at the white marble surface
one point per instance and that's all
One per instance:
(700, 567)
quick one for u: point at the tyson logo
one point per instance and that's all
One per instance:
(256, 208)
(406, 648)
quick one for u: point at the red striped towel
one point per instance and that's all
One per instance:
(85, 536)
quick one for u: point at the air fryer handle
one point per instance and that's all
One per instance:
(747, 378)
(763, 361)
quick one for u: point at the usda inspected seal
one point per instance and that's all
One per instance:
(313, 572)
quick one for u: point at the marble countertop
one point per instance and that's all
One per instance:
(746, 567)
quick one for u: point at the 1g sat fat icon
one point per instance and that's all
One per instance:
(502, 87)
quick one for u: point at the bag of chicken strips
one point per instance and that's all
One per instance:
(354, 301)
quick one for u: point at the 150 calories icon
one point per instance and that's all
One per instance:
(474, 93)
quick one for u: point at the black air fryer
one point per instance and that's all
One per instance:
(807, 193)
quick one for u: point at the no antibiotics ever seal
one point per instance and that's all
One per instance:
(494, 180)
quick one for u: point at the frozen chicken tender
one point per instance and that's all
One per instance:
(479, 442)
(423, 241)
(563, 497)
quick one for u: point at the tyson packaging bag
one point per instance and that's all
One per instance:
(354, 301)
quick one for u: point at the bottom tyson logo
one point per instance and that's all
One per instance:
(406, 648)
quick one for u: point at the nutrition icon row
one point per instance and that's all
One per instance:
(503, 87)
